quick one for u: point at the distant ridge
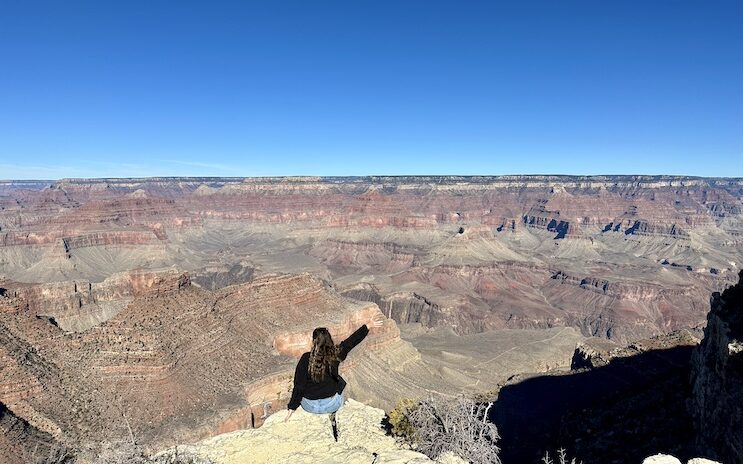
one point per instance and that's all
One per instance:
(528, 180)
(366, 178)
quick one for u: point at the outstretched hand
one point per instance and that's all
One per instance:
(377, 321)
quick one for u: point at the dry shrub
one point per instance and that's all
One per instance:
(398, 419)
(562, 458)
(459, 425)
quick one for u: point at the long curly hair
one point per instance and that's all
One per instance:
(324, 353)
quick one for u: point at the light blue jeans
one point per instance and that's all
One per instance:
(323, 405)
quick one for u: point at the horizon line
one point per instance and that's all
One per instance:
(373, 176)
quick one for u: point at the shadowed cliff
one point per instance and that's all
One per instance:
(622, 412)
(683, 400)
(717, 378)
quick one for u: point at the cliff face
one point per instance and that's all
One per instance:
(621, 257)
(79, 305)
(673, 392)
(178, 361)
(717, 378)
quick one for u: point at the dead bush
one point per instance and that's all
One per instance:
(459, 425)
(562, 458)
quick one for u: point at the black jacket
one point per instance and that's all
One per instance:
(305, 387)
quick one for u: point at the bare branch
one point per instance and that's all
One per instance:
(458, 425)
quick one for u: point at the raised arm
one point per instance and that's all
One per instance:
(357, 337)
(353, 340)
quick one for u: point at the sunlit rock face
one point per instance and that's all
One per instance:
(76, 306)
(621, 257)
(179, 361)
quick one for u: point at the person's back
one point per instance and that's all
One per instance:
(317, 384)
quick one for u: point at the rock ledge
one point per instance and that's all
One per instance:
(307, 438)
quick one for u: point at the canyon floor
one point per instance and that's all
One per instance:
(192, 297)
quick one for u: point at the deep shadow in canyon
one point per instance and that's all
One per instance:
(631, 408)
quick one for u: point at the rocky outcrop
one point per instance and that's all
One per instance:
(541, 218)
(402, 307)
(717, 378)
(596, 352)
(617, 397)
(216, 277)
(634, 291)
(517, 294)
(593, 352)
(308, 438)
(642, 227)
(80, 305)
(386, 256)
(67, 244)
(111, 238)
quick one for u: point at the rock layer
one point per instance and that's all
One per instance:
(182, 362)
(643, 245)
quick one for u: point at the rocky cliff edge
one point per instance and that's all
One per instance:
(307, 438)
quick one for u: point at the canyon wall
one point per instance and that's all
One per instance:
(178, 361)
(177, 306)
(717, 378)
(621, 257)
(79, 305)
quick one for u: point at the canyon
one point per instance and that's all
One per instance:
(173, 309)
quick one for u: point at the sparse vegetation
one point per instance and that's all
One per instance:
(458, 425)
(398, 419)
(562, 458)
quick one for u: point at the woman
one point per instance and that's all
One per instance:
(317, 385)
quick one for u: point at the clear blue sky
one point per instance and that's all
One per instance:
(135, 88)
